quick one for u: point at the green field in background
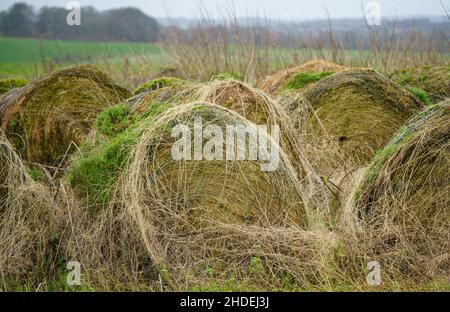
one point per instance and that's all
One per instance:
(24, 58)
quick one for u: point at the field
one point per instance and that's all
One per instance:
(91, 171)
(33, 57)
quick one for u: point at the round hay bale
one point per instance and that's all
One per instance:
(404, 196)
(413, 167)
(43, 118)
(9, 84)
(260, 109)
(235, 95)
(174, 203)
(159, 83)
(299, 77)
(361, 109)
(241, 98)
(160, 99)
(434, 80)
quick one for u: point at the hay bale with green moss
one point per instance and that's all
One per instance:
(42, 119)
(175, 202)
(9, 84)
(404, 196)
(432, 80)
(413, 165)
(253, 104)
(361, 109)
(159, 83)
(297, 78)
(237, 96)
(261, 109)
(159, 98)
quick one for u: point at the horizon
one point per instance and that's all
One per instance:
(283, 10)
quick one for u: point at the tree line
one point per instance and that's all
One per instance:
(126, 24)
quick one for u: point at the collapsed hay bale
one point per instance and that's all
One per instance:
(435, 81)
(11, 170)
(404, 195)
(180, 206)
(29, 235)
(361, 109)
(299, 77)
(43, 118)
(9, 84)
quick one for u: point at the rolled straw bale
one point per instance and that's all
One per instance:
(361, 109)
(42, 119)
(299, 77)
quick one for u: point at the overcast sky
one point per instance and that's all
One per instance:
(283, 9)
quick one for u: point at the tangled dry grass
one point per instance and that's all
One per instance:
(136, 219)
(29, 231)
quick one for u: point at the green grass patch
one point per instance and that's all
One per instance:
(24, 58)
(420, 94)
(93, 175)
(302, 79)
(35, 174)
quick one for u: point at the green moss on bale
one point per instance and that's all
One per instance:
(361, 109)
(273, 84)
(175, 94)
(433, 80)
(44, 118)
(115, 119)
(94, 171)
(422, 95)
(159, 83)
(301, 80)
(94, 176)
